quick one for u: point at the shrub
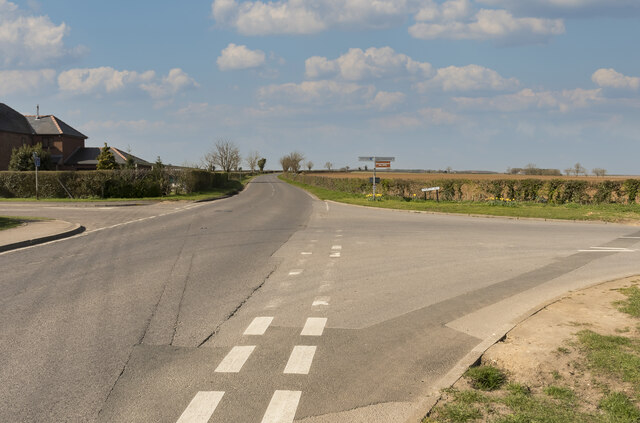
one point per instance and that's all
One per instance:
(486, 378)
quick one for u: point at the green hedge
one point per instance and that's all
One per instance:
(557, 191)
(126, 183)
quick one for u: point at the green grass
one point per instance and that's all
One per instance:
(486, 378)
(614, 355)
(632, 304)
(620, 408)
(7, 222)
(619, 213)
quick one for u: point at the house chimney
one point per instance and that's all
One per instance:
(37, 112)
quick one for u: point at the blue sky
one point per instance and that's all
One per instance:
(471, 84)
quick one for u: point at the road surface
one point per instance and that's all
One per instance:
(272, 306)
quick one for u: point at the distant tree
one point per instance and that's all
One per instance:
(131, 162)
(252, 160)
(328, 165)
(106, 159)
(309, 165)
(22, 158)
(346, 168)
(224, 154)
(578, 169)
(568, 171)
(598, 171)
(366, 167)
(285, 163)
(261, 164)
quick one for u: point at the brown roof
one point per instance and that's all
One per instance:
(51, 125)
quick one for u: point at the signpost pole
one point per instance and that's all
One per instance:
(374, 182)
(36, 162)
(383, 162)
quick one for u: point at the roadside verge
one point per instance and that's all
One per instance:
(37, 232)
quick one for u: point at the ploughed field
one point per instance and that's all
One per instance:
(475, 176)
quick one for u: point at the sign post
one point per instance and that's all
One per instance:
(36, 162)
(379, 162)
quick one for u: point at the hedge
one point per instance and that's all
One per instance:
(558, 191)
(126, 183)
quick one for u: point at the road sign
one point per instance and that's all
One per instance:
(383, 164)
(376, 179)
(376, 158)
(37, 161)
(431, 189)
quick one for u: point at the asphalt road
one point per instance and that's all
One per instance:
(271, 306)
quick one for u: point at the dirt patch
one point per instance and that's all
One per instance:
(545, 352)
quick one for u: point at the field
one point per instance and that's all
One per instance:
(475, 176)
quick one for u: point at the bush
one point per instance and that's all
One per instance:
(126, 183)
(486, 378)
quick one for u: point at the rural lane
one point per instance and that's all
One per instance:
(271, 306)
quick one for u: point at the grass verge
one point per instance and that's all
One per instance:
(614, 213)
(7, 222)
(603, 385)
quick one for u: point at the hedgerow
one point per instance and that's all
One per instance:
(558, 191)
(125, 183)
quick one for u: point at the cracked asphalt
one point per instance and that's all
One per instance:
(273, 307)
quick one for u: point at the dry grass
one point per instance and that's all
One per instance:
(474, 176)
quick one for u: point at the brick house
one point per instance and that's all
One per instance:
(64, 143)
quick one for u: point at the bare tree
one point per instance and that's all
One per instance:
(598, 171)
(328, 165)
(309, 165)
(578, 169)
(224, 154)
(292, 162)
(568, 171)
(252, 160)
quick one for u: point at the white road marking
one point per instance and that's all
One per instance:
(337, 247)
(258, 326)
(236, 358)
(325, 287)
(338, 236)
(326, 204)
(607, 251)
(295, 272)
(321, 301)
(306, 253)
(630, 237)
(282, 408)
(201, 407)
(314, 326)
(300, 360)
(334, 255)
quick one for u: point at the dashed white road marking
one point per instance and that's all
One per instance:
(282, 408)
(295, 272)
(258, 326)
(314, 326)
(630, 237)
(306, 253)
(321, 301)
(300, 360)
(338, 236)
(607, 250)
(334, 255)
(201, 407)
(337, 247)
(236, 358)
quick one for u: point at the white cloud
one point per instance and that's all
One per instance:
(386, 100)
(527, 99)
(30, 40)
(610, 78)
(235, 57)
(306, 17)
(177, 80)
(128, 125)
(25, 82)
(318, 92)
(569, 8)
(109, 80)
(356, 65)
(429, 116)
(467, 78)
(454, 19)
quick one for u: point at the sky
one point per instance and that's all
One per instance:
(466, 84)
